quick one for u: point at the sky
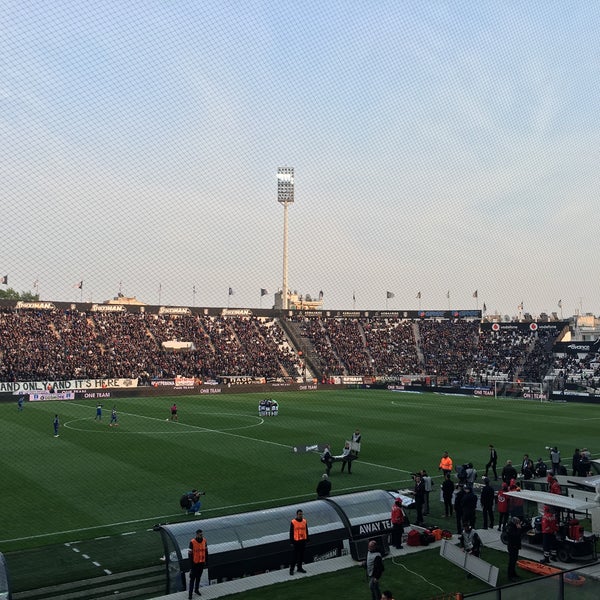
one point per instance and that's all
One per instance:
(438, 147)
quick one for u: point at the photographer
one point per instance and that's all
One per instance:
(190, 502)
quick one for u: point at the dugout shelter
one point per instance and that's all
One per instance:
(251, 543)
(367, 515)
(256, 542)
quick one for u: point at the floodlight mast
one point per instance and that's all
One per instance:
(285, 196)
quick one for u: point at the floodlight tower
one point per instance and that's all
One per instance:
(285, 196)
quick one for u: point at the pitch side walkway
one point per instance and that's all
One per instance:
(489, 537)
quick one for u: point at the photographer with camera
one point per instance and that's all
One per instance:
(190, 502)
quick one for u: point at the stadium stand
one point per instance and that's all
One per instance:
(63, 344)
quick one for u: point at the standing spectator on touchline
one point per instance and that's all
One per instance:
(508, 472)
(324, 487)
(428, 483)
(502, 506)
(513, 544)
(492, 462)
(398, 517)
(447, 494)
(374, 566)
(555, 460)
(419, 495)
(487, 503)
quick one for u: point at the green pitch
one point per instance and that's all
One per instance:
(106, 485)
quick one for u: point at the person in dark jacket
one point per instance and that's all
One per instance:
(487, 503)
(324, 487)
(513, 544)
(492, 462)
(575, 462)
(508, 472)
(458, 507)
(447, 493)
(374, 566)
(469, 506)
(419, 498)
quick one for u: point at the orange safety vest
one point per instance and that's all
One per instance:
(300, 528)
(198, 550)
(446, 463)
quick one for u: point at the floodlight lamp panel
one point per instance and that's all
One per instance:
(285, 184)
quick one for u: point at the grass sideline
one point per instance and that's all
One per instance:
(104, 488)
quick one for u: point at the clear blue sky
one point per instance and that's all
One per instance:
(438, 146)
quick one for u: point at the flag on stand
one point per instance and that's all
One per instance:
(263, 292)
(448, 294)
(230, 292)
(353, 296)
(520, 307)
(418, 295)
(321, 295)
(475, 294)
(79, 285)
(484, 307)
(559, 302)
(5, 280)
(389, 294)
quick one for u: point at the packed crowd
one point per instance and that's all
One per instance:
(70, 344)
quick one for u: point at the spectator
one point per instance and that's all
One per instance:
(469, 506)
(447, 493)
(428, 485)
(487, 503)
(502, 506)
(374, 566)
(324, 487)
(491, 463)
(513, 543)
(555, 460)
(419, 492)
(527, 468)
(398, 517)
(508, 472)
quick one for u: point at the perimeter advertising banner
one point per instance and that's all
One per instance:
(17, 387)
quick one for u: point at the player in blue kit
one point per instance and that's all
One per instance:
(56, 424)
(113, 418)
(98, 416)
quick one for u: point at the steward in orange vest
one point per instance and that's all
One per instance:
(298, 539)
(446, 464)
(197, 553)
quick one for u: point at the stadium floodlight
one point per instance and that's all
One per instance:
(285, 196)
